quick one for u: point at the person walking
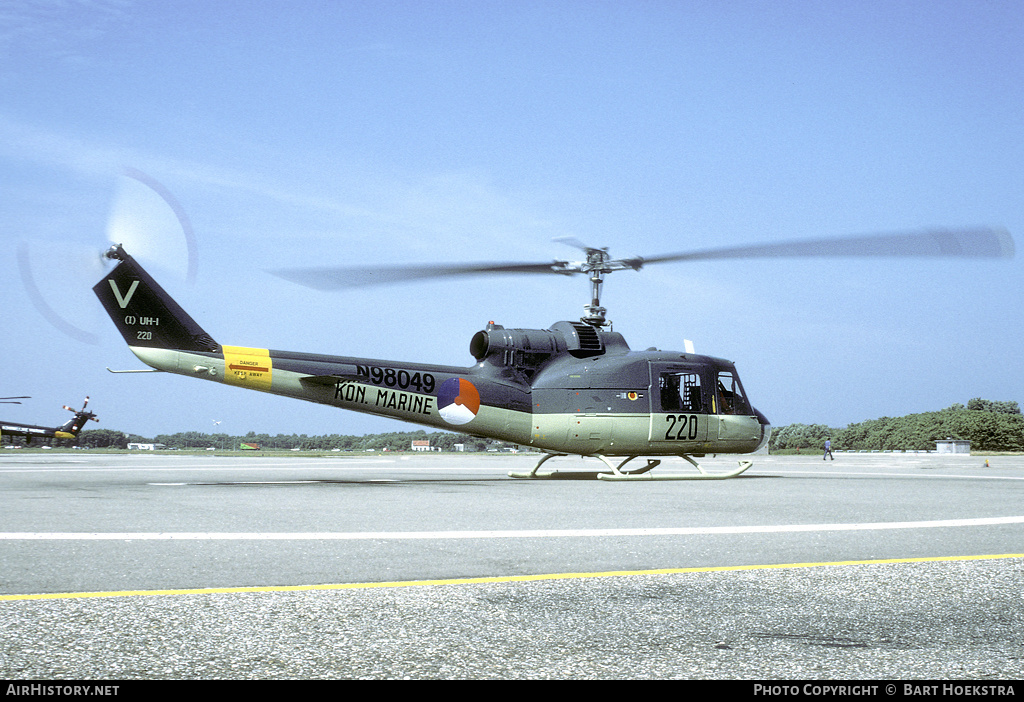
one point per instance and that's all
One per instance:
(828, 450)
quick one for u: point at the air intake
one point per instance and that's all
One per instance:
(580, 339)
(589, 340)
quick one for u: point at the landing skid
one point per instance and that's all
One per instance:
(615, 472)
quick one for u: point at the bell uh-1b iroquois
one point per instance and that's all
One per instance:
(69, 430)
(574, 388)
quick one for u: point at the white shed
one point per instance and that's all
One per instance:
(953, 446)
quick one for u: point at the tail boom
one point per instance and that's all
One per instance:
(409, 392)
(163, 336)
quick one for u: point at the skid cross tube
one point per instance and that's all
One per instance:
(703, 474)
(615, 472)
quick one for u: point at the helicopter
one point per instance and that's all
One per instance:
(69, 430)
(575, 388)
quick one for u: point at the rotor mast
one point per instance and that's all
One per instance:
(596, 260)
(599, 264)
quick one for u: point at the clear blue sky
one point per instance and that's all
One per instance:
(314, 133)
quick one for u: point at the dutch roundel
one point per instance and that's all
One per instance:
(458, 401)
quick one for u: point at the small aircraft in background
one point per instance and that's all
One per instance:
(69, 430)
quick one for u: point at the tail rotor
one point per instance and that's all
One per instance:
(140, 217)
(81, 416)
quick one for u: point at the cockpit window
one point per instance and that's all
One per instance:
(731, 399)
(680, 392)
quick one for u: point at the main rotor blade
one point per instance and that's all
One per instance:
(334, 278)
(981, 242)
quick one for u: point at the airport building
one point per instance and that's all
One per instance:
(953, 446)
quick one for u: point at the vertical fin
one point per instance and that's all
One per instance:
(144, 313)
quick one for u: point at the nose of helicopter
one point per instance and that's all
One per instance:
(766, 429)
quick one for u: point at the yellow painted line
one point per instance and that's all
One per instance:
(495, 579)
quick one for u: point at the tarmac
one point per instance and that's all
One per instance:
(875, 567)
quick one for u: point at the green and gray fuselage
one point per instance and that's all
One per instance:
(571, 389)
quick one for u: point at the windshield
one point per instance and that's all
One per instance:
(731, 399)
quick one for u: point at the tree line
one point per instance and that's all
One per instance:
(194, 440)
(988, 425)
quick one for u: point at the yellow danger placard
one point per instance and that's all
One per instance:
(251, 368)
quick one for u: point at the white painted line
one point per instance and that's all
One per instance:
(361, 465)
(280, 482)
(496, 534)
(812, 471)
